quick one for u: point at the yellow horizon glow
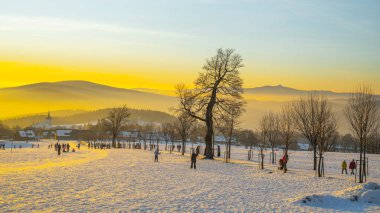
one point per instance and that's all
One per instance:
(23, 73)
(130, 76)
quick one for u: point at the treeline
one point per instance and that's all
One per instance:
(88, 117)
(6, 131)
(338, 143)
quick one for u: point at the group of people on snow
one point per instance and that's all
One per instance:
(283, 161)
(36, 146)
(352, 166)
(61, 148)
(193, 157)
(194, 154)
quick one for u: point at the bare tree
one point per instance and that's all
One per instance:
(172, 132)
(305, 115)
(287, 132)
(183, 126)
(220, 80)
(271, 122)
(363, 116)
(327, 130)
(166, 131)
(262, 143)
(227, 120)
(116, 119)
(158, 135)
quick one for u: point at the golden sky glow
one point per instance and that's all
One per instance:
(22, 73)
(299, 44)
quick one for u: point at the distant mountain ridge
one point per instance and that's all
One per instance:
(68, 85)
(263, 90)
(282, 90)
(90, 86)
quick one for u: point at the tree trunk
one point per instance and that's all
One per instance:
(364, 163)
(286, 162)
(113, 141)
(315, 156)
(319, 166)
(360, 164)
(229, 150)
(183, 147)
(272, 155)
(209, 133)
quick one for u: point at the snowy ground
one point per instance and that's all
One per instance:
(129, 180)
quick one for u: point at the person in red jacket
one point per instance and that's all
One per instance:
(285, 160)
(352, 166)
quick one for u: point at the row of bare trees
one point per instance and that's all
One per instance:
(363, 115)
(216, 99)
(313, 118)
(276, 129)
(184, 127)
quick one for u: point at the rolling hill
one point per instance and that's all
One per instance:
(71, 98)
(43, 97)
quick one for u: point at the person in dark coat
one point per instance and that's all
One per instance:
(156, 153)
(352, 166)
(59, 149)
(193, 160)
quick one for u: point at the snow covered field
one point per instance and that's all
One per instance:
(129, 180)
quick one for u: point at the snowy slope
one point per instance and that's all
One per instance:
(121, 180)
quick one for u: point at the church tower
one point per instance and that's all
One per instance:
(48, 120)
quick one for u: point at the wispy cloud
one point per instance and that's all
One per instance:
(52, 24)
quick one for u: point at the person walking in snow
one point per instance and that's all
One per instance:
(344, 166)
(194, 160)
(198, 150)
(283, 163)
(352, 166)
(59, 149)
(156, 153)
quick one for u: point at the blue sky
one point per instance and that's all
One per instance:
(282, 42)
